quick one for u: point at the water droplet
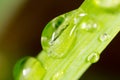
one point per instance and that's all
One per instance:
(54, 28)
(50, 32)
(107, 3)
(54, 39)
(29, 68)
(89, 25)
(62, 44)
(104, 37)
(58, 75)
(93, 57)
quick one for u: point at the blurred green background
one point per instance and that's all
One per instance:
(21, 24)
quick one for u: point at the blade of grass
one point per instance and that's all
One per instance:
(88, 46)
(74, 41)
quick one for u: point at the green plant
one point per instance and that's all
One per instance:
(72, 42)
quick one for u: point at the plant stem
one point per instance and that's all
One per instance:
(88, 45)
(73, 41)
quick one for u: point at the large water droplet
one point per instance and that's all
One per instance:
(104, 37)
(28, 68)
(54, 39)
(93, 57)
(89, 24)
(57, 41)
(51, 27)
(58, 75)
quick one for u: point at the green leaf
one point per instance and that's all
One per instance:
(73, 41)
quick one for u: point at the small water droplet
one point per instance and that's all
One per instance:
(58, 75)
(89, 24)
(104, 37)
(93, 57)
(29, 68)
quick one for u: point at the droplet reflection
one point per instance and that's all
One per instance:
(58, 75)
(93, 57)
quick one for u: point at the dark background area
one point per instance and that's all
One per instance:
(22, 38)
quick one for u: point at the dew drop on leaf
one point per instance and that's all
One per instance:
(54, 29)
(104, 37)
(59, 35)
(93, 57)
(49, 30)
(28, 68)
(54, 39)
